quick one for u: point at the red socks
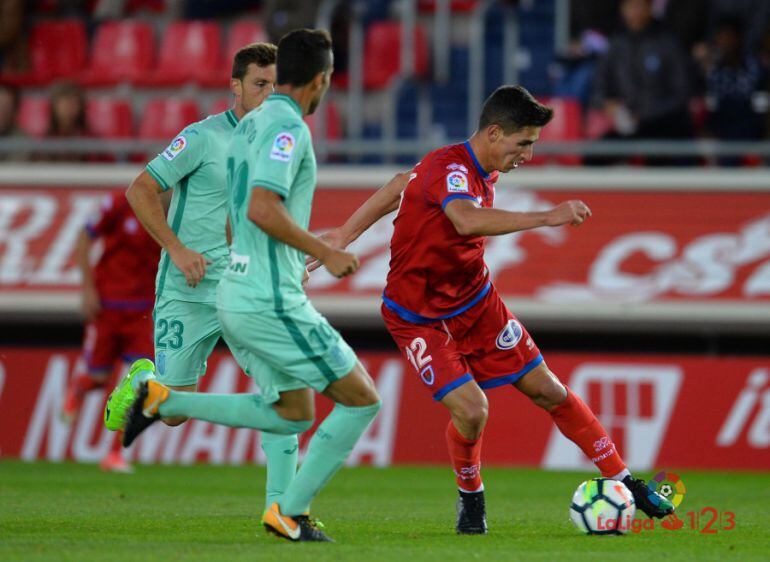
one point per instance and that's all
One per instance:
(466, 459)
(579, 424)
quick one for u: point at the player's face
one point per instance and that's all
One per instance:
(256, 85)
(510, 151)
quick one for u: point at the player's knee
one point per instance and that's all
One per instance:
(549, 394)
(175, 421)
(471, 416)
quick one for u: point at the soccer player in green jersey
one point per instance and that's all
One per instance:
(195, 252)
(272, 329)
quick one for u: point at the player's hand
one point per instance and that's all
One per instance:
(189, 262)
(340, 263)
(305, 278)
(333, 238)
(572, 212)
(90, 303)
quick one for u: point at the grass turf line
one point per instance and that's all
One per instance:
(75, 512)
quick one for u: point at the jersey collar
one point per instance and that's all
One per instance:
(290, 100)
(230, 114)
(479, 169)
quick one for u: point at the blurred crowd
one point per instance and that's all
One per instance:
(644, 69)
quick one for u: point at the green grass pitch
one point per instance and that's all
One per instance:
(63, 512)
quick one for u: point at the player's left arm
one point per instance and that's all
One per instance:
(384, 201)
(469, 219)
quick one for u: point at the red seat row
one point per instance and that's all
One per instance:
(126, 51)
(190, 51)
(162, 118)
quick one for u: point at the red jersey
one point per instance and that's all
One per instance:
(435, 273)
(125, 273)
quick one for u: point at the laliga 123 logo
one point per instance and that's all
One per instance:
(176, 146)
(283, 146)
(457, 182)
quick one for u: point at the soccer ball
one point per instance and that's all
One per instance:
(602, 507)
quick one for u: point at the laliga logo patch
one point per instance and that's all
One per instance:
(283, 146)
(509, 336)
(176, 146)
(457, 182)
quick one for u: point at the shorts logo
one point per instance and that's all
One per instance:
(160, 363)
(457, 182)
(176, 146)
(509, 336)
(283, 147)
(427, 375)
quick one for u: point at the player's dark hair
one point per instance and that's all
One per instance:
(302, 54)
(261, 54)
(513, 108)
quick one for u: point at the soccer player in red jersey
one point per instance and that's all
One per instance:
(117, 298)
(441, 308)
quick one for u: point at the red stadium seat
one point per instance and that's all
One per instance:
(188, 51)
(566, 125)
(109, 118)
(382, 52)
(121, 50)
(34, 116)
(241, 34)
(333, 122)
(163, 118)
(456, 5)
(57, 49)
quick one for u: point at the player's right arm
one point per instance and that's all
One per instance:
(268, 212)
(469, 219)
(144, 196)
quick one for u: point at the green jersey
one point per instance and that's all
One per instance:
(271, 148)
(194, 166)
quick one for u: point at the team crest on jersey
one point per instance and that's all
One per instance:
(176, 146)
(283, 147)
(457, 167)
(509, 336)
(457, 182)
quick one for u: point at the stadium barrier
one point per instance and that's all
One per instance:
(662, 411)
(665, 248)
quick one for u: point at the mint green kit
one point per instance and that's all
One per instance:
(267, 320)
(185, 318)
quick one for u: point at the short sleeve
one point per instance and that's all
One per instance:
(449, 181)
(278, 159)
(111, 210)
(181, 158)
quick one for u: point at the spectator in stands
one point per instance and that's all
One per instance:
(736, 86)
(282, 16)
(68, 117)
(642, 83)
(9, 107)
(13, 52)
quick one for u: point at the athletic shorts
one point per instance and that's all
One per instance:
(117, 334)
(287, 350)
(185, 335)
(486, 343)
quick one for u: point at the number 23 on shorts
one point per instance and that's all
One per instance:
(169, 334)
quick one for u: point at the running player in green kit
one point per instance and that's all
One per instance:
(272, 329)
(195, 252)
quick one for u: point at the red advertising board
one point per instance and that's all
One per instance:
(665, 247)
(662, 410)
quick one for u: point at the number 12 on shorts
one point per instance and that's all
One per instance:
(415, 352)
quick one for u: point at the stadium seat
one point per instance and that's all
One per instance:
(429, 6)
(566, 125)
(163, 118)
(188, 51)
(220, 105)
(121, 50)
(333, 122)
(240, 34)
(57, 49)
(382, 51)
(109, 118)
(34, 115)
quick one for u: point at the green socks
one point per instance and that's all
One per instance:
(329, 447)
(234, 410)
(281, 452)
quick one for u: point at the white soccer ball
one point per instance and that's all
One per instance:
(602, 507)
